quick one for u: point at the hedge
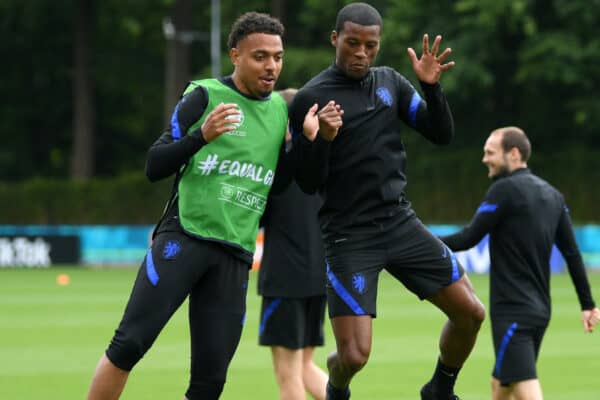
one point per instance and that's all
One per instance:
(126, 199)
(444, 187)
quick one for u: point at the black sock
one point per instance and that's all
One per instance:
(444, 378)
(334, 393)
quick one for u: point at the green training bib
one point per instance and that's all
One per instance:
(224, 189)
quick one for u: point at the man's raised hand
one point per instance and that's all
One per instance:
(326, 122)
(430, 66)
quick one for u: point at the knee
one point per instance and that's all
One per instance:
(478, 314)
(287, 374)
(494, 385)
(475, 315)
(354, 358)
(290, 383)
(125, 352)
(205, 390)
(471, 317)
(207, 375)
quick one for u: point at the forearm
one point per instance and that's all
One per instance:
(435, 121)
(311, 163)
(165, 157)
(580, 281)
(566, 243)
(284, 173)
(459, 241)
(467, 237)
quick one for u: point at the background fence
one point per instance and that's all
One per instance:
(111, 245)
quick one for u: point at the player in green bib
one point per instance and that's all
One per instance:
(225, 146)
(223, 190)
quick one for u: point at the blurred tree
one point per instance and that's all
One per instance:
(129, 71)
(278, 9)
(35, 92)
(82, 154)
(535, 63)
(177, 29)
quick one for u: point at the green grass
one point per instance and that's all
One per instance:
(51, 337)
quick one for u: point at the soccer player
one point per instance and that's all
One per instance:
(291, 280)
(524, 215)
(224, 143)
(366, 220)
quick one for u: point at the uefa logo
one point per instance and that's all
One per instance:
(239, 116)
(227, 192)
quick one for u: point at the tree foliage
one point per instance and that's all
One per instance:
(524, 62)
(532, 63)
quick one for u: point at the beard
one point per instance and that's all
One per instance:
(265, 94)
(500, 172)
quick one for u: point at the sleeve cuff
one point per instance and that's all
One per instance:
(431, 89)
(588, 305)
(305, 142)
(199, 138)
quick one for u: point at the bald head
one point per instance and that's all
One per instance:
(514, 137)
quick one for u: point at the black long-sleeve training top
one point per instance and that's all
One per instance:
(293, 259)
(361, 173)
(524, 215)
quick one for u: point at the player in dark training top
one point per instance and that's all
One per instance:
(524, 215)
(291, 281)
(366, 219)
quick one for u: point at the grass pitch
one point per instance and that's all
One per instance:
(52, 335)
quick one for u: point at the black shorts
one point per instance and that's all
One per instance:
(409, 252)
(516, 346)
(292, 323)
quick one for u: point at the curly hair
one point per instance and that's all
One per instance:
(253, 22)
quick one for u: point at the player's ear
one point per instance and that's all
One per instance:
(234, 55)
(333, 38)
(515, 154)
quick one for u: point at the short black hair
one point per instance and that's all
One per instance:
(360, 13)
(513, 136)
(253, 22)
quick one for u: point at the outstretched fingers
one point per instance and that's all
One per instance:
(413, 55)
(425, 44)
(430, 66)
(436, 45)
(444, 55)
